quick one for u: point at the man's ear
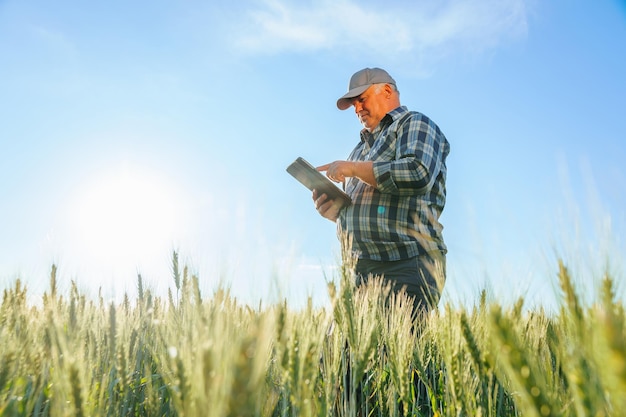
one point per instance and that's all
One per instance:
(388, 90)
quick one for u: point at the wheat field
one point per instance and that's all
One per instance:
(189, 355)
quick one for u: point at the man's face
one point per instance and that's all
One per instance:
(370, 107)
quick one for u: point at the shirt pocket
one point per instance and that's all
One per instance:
(384, 148)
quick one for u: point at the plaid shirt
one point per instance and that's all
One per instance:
(399, 218)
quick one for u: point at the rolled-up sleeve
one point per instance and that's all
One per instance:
(417, 162)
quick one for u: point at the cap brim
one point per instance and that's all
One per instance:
(346, 100)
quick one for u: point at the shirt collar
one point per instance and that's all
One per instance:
(389, 118)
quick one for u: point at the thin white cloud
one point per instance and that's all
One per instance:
(54, 40)
(431, 28)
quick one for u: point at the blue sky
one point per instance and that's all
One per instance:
(129, 129)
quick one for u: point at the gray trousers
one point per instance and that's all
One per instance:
(421, 277)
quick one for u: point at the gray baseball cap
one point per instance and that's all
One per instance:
(361, 81)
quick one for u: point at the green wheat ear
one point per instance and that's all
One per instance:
(112, 331)
(581, 372)
(53, 282)
(521, 369)
(140, 289)
(613, 323)
(176, 270)
(77, 395)
(399, 340)
(472, 345)
(483, 376)
(572, 305)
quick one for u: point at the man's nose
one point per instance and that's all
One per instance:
(357, 106)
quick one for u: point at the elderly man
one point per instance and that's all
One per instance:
(396, 177)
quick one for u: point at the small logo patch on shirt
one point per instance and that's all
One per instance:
(381, 209)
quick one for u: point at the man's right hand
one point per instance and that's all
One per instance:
(326, 207)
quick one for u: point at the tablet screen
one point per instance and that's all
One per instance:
(311, 178)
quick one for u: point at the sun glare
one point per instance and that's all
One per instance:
(125, 217)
